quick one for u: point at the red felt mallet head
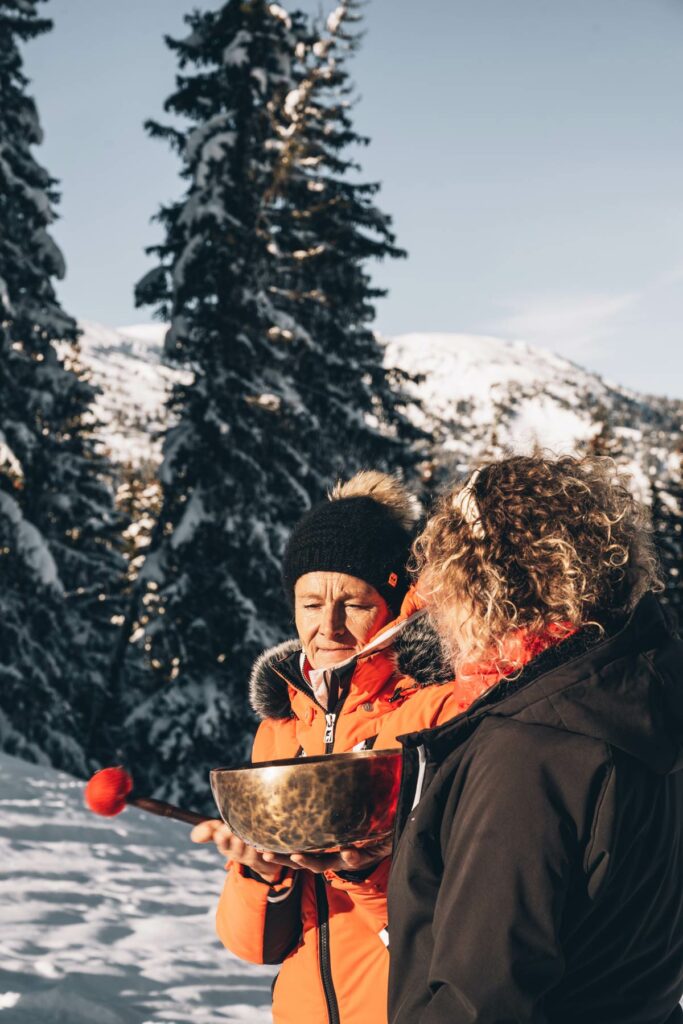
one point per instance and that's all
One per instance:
(107, 790)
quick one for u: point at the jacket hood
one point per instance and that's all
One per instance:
(625, 689)
(412, 643)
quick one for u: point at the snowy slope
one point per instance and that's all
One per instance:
(476, 396)
(126, 365)
(478, 393)
(482, 396)
(470, 377)
(110, 921)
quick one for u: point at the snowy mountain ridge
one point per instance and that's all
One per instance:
(479, 395)
(482, 396)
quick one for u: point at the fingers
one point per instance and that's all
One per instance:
(354, 859)
(380, 849)
(235, 849)
(315, 862)
(351, 859)
(231, 847)
(204, 833)
(282, 860)
(219, 833)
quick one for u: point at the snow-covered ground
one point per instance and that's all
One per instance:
(110, 921)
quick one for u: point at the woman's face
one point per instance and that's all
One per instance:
(336, 615)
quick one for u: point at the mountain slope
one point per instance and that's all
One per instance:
(475, 391)
(481, 395)
(127, 366)
(476, 396)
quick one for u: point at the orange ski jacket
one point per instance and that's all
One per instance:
(329, 931)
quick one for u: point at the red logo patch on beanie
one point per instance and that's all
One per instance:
(393, 579)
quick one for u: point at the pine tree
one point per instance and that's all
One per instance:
(58, 551)
(325, 227)
(279, 399)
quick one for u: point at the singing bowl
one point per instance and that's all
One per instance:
(311, 804)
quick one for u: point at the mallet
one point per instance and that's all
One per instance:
(110, 790)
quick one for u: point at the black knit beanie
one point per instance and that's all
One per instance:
(359, 536)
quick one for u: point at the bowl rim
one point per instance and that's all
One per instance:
(290, 762)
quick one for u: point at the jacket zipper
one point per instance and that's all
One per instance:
(321, 894)
(324, 950)
(331, 723)
(330, 716)
(322, 906)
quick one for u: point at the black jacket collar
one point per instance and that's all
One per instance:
(625, 689)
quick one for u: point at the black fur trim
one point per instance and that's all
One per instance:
(268, 693)
(419, 653)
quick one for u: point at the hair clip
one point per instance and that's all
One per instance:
(465, 502)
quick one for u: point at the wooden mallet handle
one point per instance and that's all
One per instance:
(164, 810)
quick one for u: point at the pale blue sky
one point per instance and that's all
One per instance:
(531, 154)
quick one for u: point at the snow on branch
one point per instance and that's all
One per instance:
(335, 19)
(9, 460)
(237, 53)
(31, 544)
(193, 515)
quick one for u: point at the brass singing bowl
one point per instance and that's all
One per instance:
(311, 804)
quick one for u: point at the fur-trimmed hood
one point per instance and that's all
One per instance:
(268, 692)
(413, 643)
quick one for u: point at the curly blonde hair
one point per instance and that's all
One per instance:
(533, 541)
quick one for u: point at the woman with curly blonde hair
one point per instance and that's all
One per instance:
(538, 869)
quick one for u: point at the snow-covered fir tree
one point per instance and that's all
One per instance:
(279, 400)
(59, 560)
(324, 230)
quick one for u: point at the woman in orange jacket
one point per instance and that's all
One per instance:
(359, 663)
